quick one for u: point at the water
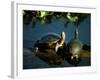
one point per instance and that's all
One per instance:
(30, 35)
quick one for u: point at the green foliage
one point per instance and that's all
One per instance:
(45, 17)
(72, 18)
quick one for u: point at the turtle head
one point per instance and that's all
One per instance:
(63, 35)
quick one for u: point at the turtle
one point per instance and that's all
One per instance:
(73, 55)
(74, 48)
(50, 41)
(51, 48)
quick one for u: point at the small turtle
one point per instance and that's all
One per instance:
(74, 48)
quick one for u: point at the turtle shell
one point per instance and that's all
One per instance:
(44, 51)
(44, 42)
(74, 48)
(50, 37)
(73, 45)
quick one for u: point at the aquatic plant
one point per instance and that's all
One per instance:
(45, 17)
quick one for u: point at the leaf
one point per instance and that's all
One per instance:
(45, 17)
(72, 18)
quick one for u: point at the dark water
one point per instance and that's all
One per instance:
(30, 35)
(30, 61)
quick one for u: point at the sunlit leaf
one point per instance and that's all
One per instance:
(72, 18)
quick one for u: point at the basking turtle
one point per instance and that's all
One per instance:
(50, 41)
(50, 48)
(74, 48)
